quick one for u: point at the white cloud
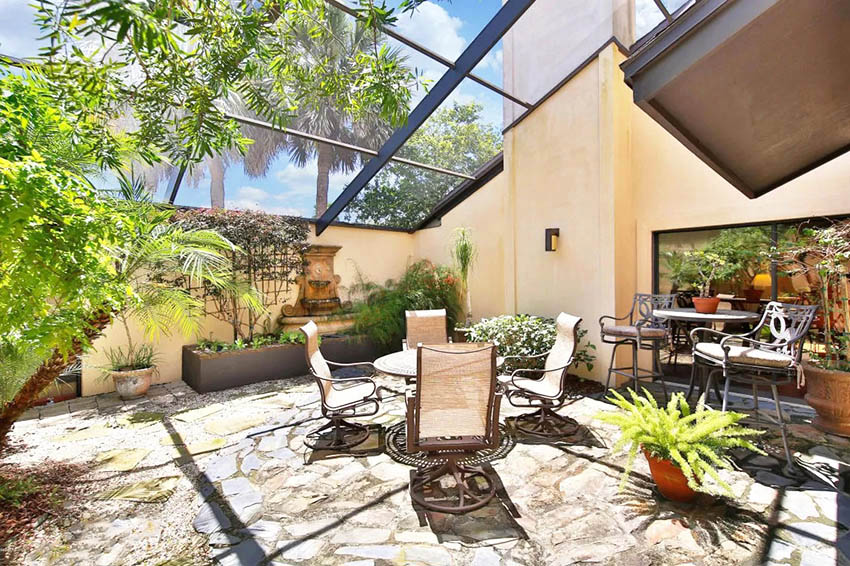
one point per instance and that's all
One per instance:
(18, 32)
(647, 16)
(302, 180)
(252, 198)
(492, 61)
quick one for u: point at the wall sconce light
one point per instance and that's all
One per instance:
(552, 239)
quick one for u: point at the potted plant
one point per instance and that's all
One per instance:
(824, 253)
(151, 264)
(464, 253)
(681, 446)
(745, 251)
(708, 266)
(680, 270)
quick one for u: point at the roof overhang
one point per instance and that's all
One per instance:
(758, 89)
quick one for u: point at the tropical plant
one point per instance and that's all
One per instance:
(464, 253)
(526, 335)
(680, 271)
(708, 267)
(259, 341)
(745, 251)
(825, 254)
(166, 68)
(423, 286)
(147, 261)
(454, 138)
(697, 442)
(267, 257)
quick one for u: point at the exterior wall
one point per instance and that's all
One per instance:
(357, 258)
(552, 38)
(484, 212)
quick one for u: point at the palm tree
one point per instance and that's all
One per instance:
(322, 116)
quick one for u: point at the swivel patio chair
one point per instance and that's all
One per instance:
(453, 412)
(747, 358)
(643, 331)
(547, 391)
(425, 327)
(341, 398)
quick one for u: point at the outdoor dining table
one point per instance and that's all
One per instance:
(691, 316)
(403, 364)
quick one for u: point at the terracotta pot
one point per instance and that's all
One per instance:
(670, 480)
(753, 295)
(706, 305)
(133, 383)
(828, 393)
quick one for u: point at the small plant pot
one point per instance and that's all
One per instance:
(828, 393)
(670, 480)
(753, 295)
(706, 305)
(132, 384)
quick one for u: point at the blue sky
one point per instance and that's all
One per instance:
(445, 27)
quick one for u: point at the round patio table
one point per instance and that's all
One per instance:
(403, 364)
(722, 315)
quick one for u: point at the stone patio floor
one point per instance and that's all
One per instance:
(182, 478)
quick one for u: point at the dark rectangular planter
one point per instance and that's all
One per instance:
(205, 372)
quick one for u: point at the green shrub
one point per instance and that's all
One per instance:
(526, 335)
(423, 286)
(258, 342)
(696, 442)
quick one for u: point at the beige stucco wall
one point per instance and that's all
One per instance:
(484, 213)
(376, 255)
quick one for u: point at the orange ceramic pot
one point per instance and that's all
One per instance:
(670, 480)
(706, 305)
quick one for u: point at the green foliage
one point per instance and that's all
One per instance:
(526, 335)
(142, 357)
(697, 442)
(823, 254)
(255, 344)
(453, 138)
(13, 491)
(168, 67)
(464, 253)
(423, 286)
(709, 266)
(745, 251)
(267, 256)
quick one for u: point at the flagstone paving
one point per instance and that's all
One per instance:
(225, 478)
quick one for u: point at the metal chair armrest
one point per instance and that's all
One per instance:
(353, 364)
(506, 358)
(699, 329)
(752, 341)
(614, 318)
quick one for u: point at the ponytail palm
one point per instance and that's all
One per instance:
(696, 442)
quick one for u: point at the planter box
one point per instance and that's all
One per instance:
(205, 372)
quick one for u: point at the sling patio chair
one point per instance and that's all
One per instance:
(453, 412)
(641, 330)
(749, 358)
(547, 391)
(341, 398)
(425, 327)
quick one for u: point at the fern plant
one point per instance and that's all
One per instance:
(696, 441)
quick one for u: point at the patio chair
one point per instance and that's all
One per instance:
(642, 331)
(452, 412)
(547, 391)
(425, 327)
(748, 358)
(341, 397)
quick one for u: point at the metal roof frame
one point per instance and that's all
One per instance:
(504, 19)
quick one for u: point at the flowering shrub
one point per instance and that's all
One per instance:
(271, 257)
(526, 335)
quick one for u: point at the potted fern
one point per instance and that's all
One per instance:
(681, 446)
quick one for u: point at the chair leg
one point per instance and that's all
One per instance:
(756, 401)
(791, 466)
(693, 381)
(656, 358)
(546, 423)
(635, 374)
(469, 494)
(610, 369)
(337, 434)
(726, 393)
